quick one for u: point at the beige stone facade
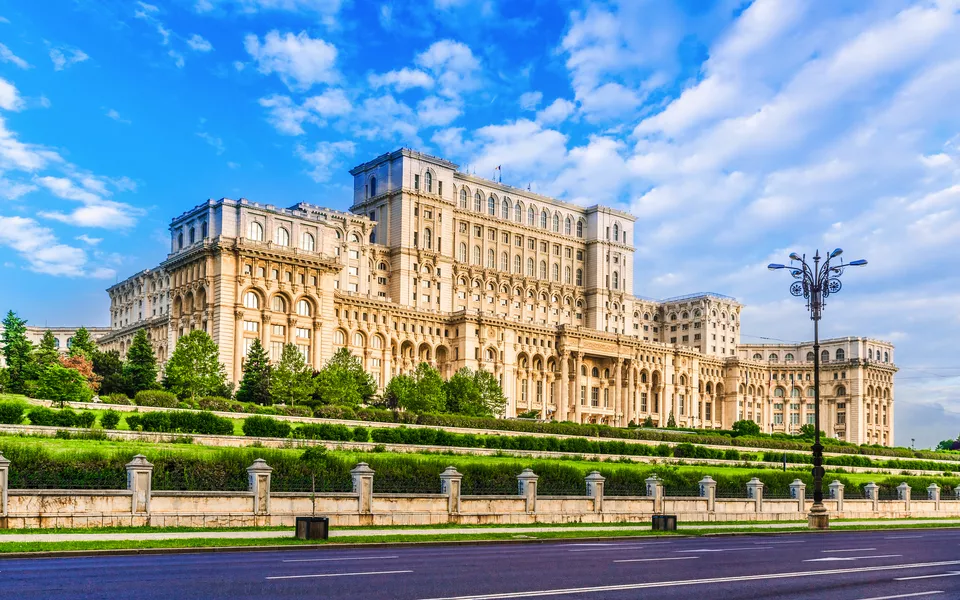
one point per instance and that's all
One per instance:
(432, 264)
(63, 336)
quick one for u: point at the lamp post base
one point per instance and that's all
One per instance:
(818, 517)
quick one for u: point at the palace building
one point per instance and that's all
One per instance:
(435, 265)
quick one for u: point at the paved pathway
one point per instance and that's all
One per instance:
(336, 533)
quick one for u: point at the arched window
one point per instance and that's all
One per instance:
(478, 202)
(283, 236)
(824, 356)
(543, 269)
(339, 338)
(492, 206)
(543, 219)
(203, 230)
(376, 342)
(788, 357)
(279, 304)
(180, 241)
(841, 355)
(303, 308)
(531, 216)
(251, 300)
(504, 262)
(518, 213)
(778, 392)
(795, 393)
(428, 239)
(358, 340)
(373, 186)
(256, 231)
(757, 356)
(886, 357)
(491, 259)
(428, 179)
(811, 392)
(579, 276)
(463, 252)
(567, 226)
(579, 228)
(566, 275)
(463, 198)
(774, 358)
(476, 255)
(869, 354)
(517, 264)
(556, 223)
(555, 271)
(595, 372)
(616, 280)
(193, 235)
(616, 232)
(841, 391)
(810, 356)
(505, 210)
(530, 267)
(308, 243)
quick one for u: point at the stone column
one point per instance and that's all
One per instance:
(238, 346)
(708, 490)
(563, 400)
(362, 476)
(618, 394)
(631, 394)
(140, 481)
(836, 493)
(871, 490)
(264, 331)
(595, 489)
(527, 487)
(4, 483)
(577, 409)
(450, 481)
(798, 490)
(933, 493)
(755, 492)
(258, 482)
(655, 491)
(317, 346)
(903, 492)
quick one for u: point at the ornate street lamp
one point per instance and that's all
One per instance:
(815, 285)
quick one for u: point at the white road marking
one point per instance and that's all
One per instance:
(627, 560)
(850, 550)
(949, 574)
(790, 542)
(903, 537)
(674, 583)
(914, 595)
(618, 547)
(834, 558)
(296, 560)
(726, 549)
(338, 574)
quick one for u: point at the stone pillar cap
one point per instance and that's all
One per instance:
(4, 461)
(451, 472)
(836, 483)
(595, 476)
(528, 474)
(362, 469)
(871, 485)
(903, 485)
(933, 486)
(652, 478)
(259, 466)
(139, 461)
(754, 481)
(707, 479)
(797, 483)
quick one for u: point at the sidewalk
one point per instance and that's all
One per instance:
(340, 533)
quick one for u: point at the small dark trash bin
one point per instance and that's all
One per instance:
(664, 522)
(313, 528)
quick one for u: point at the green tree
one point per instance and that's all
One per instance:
(648, 422)
(671, 422)
(491, 394)
(194, 368)
(17, 352)
(109, 366)
(47, 354)
(808, 431)
(292, 380)
(82, 344)
(255, 384)
(745, 427)
(949, 444)
(140, 370)
(60, 384)
(343, 381)
(401, 391)
(462, 394)
(424, 392)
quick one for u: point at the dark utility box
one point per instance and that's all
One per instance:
(314, 528)
(664, 522)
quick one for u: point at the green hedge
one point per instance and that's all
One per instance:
(110, 419)
(258, 426)
(157, 398)
(201, 422)
(48, 417)
(11, 413)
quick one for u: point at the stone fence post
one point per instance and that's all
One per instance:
(798, 491)
(933, 493)
(4, 483)
(755, 493)
(595, 489)
(527, 487)
(903, 493)
(836, 493)
(708, 490)
(362, 476)
(258, 482)
(956, 492)
(872, 491)
(140, 482)
(450, 481)
(655, 491)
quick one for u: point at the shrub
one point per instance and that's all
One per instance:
(201, 422)
(42, 416)
(260, 426)
(324, 431)
(121, 399)
(110, 419)
(361, 434)
(157, 398)
(11, 413)
(294, 411)
(219, 404)
(134, 422)
(86, 419)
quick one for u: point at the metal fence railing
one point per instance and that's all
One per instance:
(681, 492)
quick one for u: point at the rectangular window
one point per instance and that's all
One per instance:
(579, 254)
(531, 243)
(279, 330)
(303, 332)
(352, 271)
(247, 343)
(778, 418)
(416, 182)
(351, 287)
(276, 350)
(304, 352)
(477, 231)
(643, 402)
(841, 418)
(708, 411)
(595, 397)
(583, 395)
(251, 326)
(354, 254)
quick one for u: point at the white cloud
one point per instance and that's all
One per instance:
(177, 58)
(331, 103)
(299, 60)
(11, 190)
(558, 112)
(212, 140)
(321, 7)
(453, 65)
(386, 16)
(197, 43)
(104, 213)
(7, 55)
(113, 114)
(67, 189)
(63, 57)
(9, 97)
(40, 248)
(530, 100)
(402, 80)
(90, 241)
(386, 118)
(284, 114)
(434, 111)
(325, 157)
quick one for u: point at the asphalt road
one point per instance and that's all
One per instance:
(833, 566)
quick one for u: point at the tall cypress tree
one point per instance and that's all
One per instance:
(17, 351)
(82, 344)
(140, 371)
(47, 354)
(255, 384)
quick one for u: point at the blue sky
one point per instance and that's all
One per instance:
(736, 132)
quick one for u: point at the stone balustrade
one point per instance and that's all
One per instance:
(139, 504)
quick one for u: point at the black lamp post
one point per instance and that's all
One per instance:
(815, 285)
